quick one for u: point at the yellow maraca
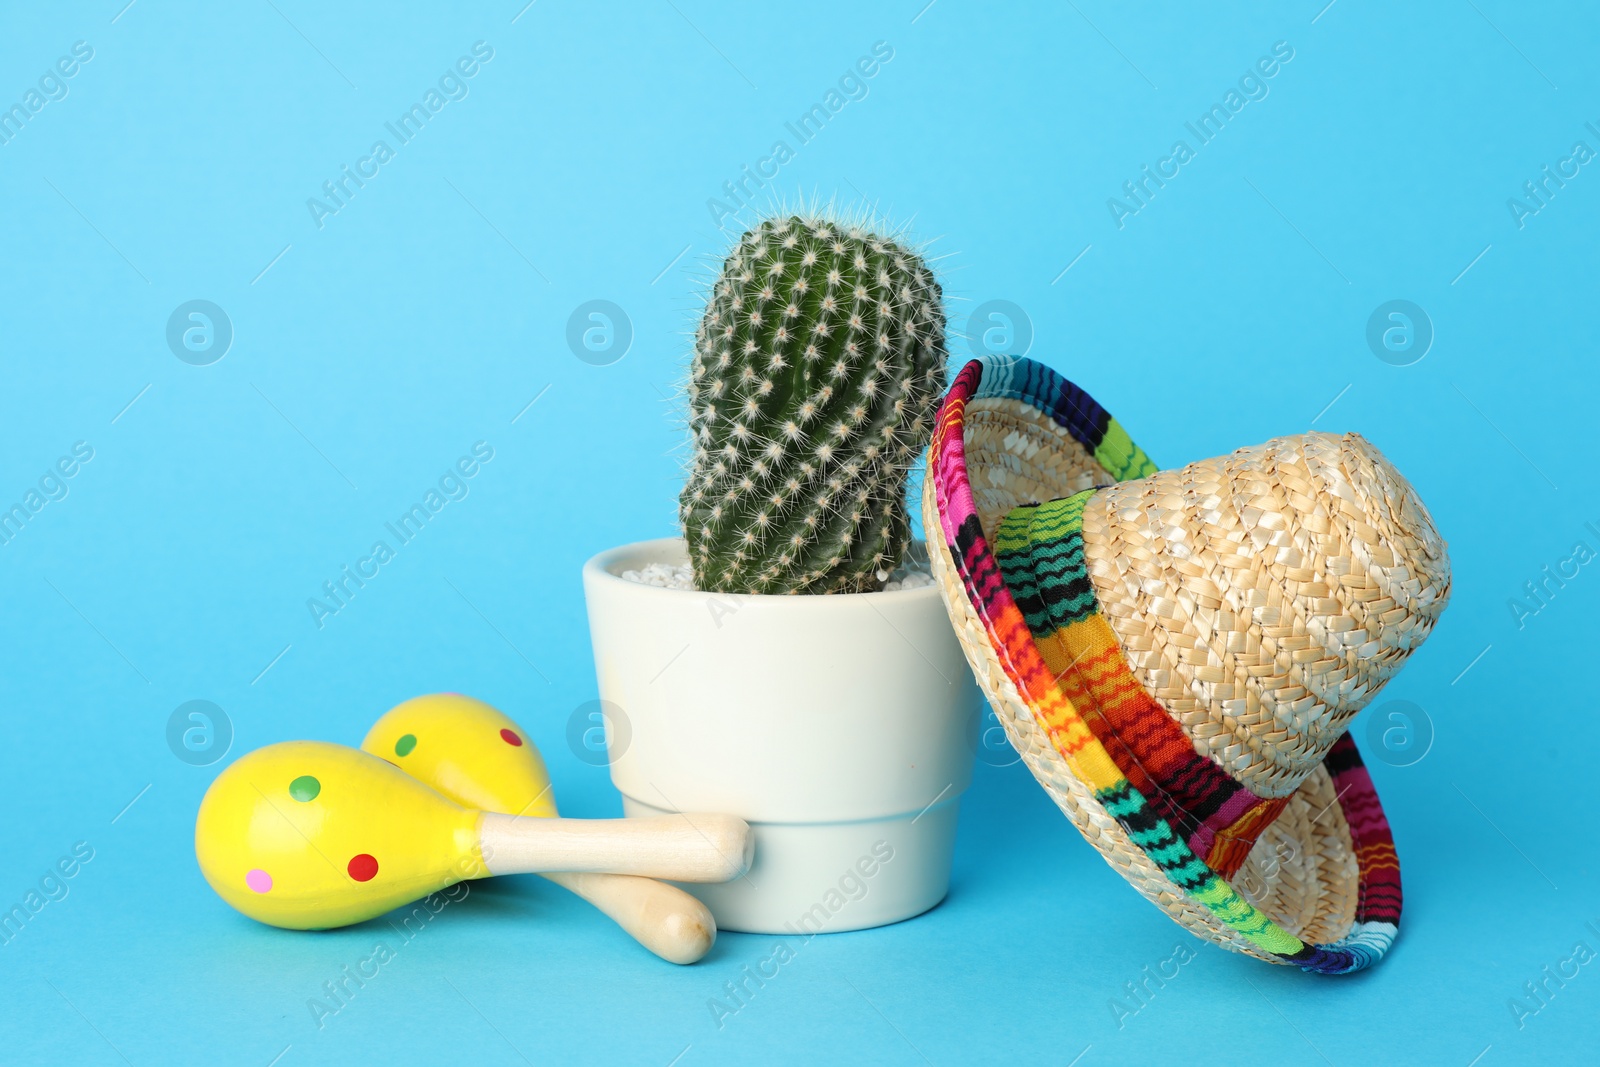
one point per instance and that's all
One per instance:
(478, 757)
(310, 835)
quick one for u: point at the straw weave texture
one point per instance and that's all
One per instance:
(1265, 596)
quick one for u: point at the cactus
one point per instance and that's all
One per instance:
(818, 368)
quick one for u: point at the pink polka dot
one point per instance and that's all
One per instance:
(510, 738)
(258, 880)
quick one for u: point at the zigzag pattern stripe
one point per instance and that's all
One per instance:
(1219, 817)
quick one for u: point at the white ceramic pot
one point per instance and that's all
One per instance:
(841, 727)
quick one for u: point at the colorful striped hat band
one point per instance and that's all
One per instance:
(1177, 655)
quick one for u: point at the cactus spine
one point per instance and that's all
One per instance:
(817, 371)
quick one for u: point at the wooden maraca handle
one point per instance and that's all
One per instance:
(661, 917)
(681, 848)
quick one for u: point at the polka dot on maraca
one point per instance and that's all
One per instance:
(258, 880)
(510, 738)
(363, 868)
(305, 788)
(404, 746)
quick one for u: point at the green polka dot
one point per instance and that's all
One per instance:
(404, 746)
(305, 788)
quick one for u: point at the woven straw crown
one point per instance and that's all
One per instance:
(1265, 596)
(1177, 655)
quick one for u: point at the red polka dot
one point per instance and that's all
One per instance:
(510, 738)
(363, 868)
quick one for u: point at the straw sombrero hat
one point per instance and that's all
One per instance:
(1177, 654)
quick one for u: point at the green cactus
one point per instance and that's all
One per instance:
(818, 368)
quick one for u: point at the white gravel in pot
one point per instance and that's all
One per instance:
(681, 576)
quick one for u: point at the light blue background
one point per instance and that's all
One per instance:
(432, 309)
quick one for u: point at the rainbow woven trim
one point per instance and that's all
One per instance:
(1040, 551)
(1052, 609)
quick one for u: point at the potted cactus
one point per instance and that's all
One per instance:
(784, 666)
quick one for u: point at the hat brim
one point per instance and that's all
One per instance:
(1320, 889)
